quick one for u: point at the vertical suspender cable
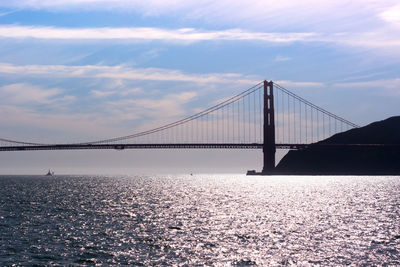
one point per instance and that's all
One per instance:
(288, 111)
(312, 126)
(301, 122)
(259, 114)
(317, 125)
(244, 121)
(305, 112)
(227, 121)
(295, 121)
(283, 118)
(249, 117)
(239, 133)
(232, 122)
(254, 117)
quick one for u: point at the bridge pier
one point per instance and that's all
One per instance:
(269, 148)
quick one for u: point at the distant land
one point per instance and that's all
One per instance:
(364, 158)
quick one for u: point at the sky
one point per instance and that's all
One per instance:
(79, 70)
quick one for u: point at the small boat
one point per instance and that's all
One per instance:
(50, 173)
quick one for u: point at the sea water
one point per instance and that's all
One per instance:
(217, 220)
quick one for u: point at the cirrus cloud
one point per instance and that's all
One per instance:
(123, 72)
(147, 33)
(378, 38)
(284, 12)
(126, 73)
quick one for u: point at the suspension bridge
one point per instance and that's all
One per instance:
(266, 116)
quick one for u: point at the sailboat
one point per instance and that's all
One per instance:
(50, 173)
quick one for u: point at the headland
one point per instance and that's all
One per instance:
(370, 150)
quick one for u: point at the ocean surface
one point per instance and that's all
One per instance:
(217, 220)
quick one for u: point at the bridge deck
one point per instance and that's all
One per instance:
(177, 146)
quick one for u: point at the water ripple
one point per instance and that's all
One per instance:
(199, 220)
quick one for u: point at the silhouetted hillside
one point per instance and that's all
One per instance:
(350, 160)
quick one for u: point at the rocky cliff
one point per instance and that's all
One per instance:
(361, 157)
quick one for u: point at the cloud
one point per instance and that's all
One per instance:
(120, 73)
(328, 15)
(147, 33)
(386, 87)
(382, 38)
(356, 77)
(280, 58)
(391, 15)
(121, 92)
(7, 13)
(20, 93)
(168, 105)
(22, 107)
(42, 127)
(299, 84)
(27, 94)
(358, 23)
(389, 83)
(99, 93)
(123, 72)
(376, 38)
(155, 112)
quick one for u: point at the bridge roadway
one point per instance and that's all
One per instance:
(180, 146)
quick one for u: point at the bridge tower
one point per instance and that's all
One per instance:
(269, 148)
